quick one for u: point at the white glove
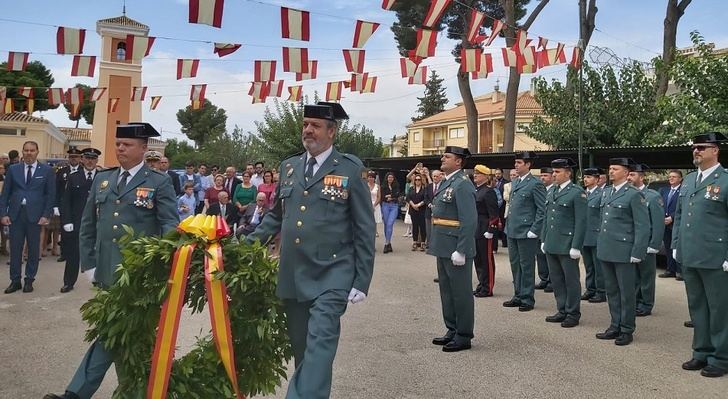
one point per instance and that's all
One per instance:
(634, 260)
(56, 212)
(531, 235)
(652, 250)
(542, 247)
(90, 275)
(488, 235)
(457, 258)
(725, 265)
(356, 296)
(574, 253)
(674, 253)
(68, 227)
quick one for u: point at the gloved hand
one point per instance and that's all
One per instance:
(56, 212)
(674, 253)
(356, 296)
(634, 260)
(652, 250)
(457, 258)
(542, 247)
(488, 235)
(68, 227)
(90, 275)
(574, 253)
(531, 234)
(725, 265)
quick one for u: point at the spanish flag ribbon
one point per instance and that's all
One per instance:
(210, 228)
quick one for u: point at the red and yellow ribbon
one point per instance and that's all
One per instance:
(211, 228)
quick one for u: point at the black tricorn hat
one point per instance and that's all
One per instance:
(593, 172)
(563, 163)
(526, 155)
(73, 151)
(640, 167)
(136, 130)
(710, 138)
(547, 169)
(325, 110)
(90, 152)
(626, 162)
(459, 151)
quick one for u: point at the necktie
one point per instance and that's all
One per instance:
(227, 185)
(29, 175)
(434, 188)
(88, 177)
(614, 190)
(256, 215)
(309, 169)
(222, 211)
(669, 196)
(697, 181)
(122, 183)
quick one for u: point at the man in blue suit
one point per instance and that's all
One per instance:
(26, 204)
(669, 198)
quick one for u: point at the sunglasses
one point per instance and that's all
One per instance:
(701, 148)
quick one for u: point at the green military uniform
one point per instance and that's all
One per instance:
(454, 219)
(647, 269)
(700, 236)
(564, 230)
(625, 233)
(594, 280)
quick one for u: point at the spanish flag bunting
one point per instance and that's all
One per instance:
(264, 71)
(552, 56)
(420, 76)
(407, 67)
(113, 104)
(434, 13)
(576, 58)
(187, 68)
(295, 93)
(70, 40)
(197, 92)
(496, 29)
(8, 106)
(362, 32)
(197, 104)
(97, 93)
(259, 91)
(138, 93)
(527, 62)
(74, 96)
(521, 41)
(17, 61)
(3, 93)
(223, 49)
(414, 57)
(510, 59)
(295, 59)
(26, 92)
(295, 24)
(275, 88)
(370, 85)
(333, 91)
(357, 81)
(476, 22)
(30, 105)
(207, 12)
(426, 42)
(486, 67)
(387, 4)
(311, 74)
(354, 60)
(155, 102)
(55, 96)
(83, 65)
(75, 110)
(542, 42)
(138, 47)
(470, 59)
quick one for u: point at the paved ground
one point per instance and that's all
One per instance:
(385, 349)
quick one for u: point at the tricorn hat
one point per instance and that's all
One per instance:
(593, 172)
(547, 169)
(640, 167)
(526, 155)
(325, 110)
(459, 151)
(710, 138)
(73, 151)
(626, 162)
(563, 163)
(136, 130)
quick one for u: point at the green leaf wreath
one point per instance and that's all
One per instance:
(125, 318)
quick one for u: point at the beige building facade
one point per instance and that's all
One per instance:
(16, 128)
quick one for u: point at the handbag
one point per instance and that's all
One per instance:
(407, 218)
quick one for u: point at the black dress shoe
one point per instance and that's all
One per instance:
(568, 323)
(435, 280)
(61, 259)
(67, 395)
(623, 339)
(66, 288)
(454, 346)
(609, 334)
(666, 275)
(597, 299)
(525, 308)
(711, 371)
(679, 277)
(28, 287)
(541, 285)
(642, 313)
(557, 318)
(587, 296)
(548, 288)
(482, 294)
(694, 364)
(444, 340)
(13, 287)
(689, 324)
(512, 303)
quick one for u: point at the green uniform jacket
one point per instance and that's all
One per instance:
(107, 210)
(526, 208)
(656, 208)
(593, 217)
(700, 232)
(327, 228)
(625, 225)
(564, 227)
(454, 200)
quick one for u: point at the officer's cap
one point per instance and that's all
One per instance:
(563, 163)
(152, 155)
(710, 138)
(325, 110)
(640, 167)
(459, 151)
(547, 169)
(90, 152)
(593, 172)
(73, 151)
(626, 162)
(483, 169)
(136, 130)
(526, 155)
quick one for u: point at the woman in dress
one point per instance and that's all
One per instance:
(416, 202)
(374, 191)
(268, 187)
(389, 198)
(212, 192)
(245, 193)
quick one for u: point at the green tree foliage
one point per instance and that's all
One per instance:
(233, 148)
(359, 140)
(203, 125)
(618, 109)
(434, 100)
(87, 108)
(179, 152)
(36, 75)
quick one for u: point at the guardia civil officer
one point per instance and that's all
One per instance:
(647, 269)
(621, 245)
(454, 220)
(486, 202)
(563, 238)
(525, 221)
(594, 280)
(542, 265)
(700, 244)
(324, 213)
(132, 195)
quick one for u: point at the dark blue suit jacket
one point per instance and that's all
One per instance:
(40, 194)
(671, 205)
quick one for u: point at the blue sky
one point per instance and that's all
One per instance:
(632, 29)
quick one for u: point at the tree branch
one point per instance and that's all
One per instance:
(683, 5)
(535, 12)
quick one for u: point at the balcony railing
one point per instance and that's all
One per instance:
(433, 143)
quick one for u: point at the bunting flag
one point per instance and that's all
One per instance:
(259, 91)
(83, 65)
(362, 32)
(223, 49)
(295, 24)
(387, 4)
(70, 40)
(26, 92)
(97, 93)
(138, 93)
(486, 67)
(311, 74)
(187, 68)
(437, 8)
(414, 57)
(370, 85)
(30, 105)
(470, 59)
(476, 21)
(420, 76)
(197, 93)
(113, 104)
(155, 102)
(576, 58)
(295, 93)
(17, 61)
(510, 59)
(528, 60)
(264, 71)
(8, 107)
(542, 42)
(55, 96)
(295, 59)
(3, 93)
(354, 60)
(333, 91)
(552, 56)
(521, 41)
(426, 42)
(75, 110)
(357, 81)
(197, 105)
(208, 12)
(74, 96)
(138, 47)
(408, 67)
(275, 88)
(495, 31)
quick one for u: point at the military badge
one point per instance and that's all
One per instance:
(104, 184)
(712, 192)
(144, 197)
(336, 186)
(289, 172)
(447, 195)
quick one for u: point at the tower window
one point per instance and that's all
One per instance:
(121, 51)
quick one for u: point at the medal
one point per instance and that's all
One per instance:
(104, 184)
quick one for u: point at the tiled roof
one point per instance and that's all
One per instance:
(76, 134)
(21, 117)
(526, 105)
(123, 21)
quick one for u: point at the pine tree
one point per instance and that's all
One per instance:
(434, 100)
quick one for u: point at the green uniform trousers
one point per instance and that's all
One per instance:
(708, 303)
(522, 256)
(91, 371)
(619, 282)
(566, 282)
(594, 280)
(646, 274)
(313, 328)
(456, 295)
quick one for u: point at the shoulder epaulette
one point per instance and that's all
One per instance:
(107, 170)
(353, 158)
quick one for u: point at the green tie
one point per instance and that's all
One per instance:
(122, 183)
